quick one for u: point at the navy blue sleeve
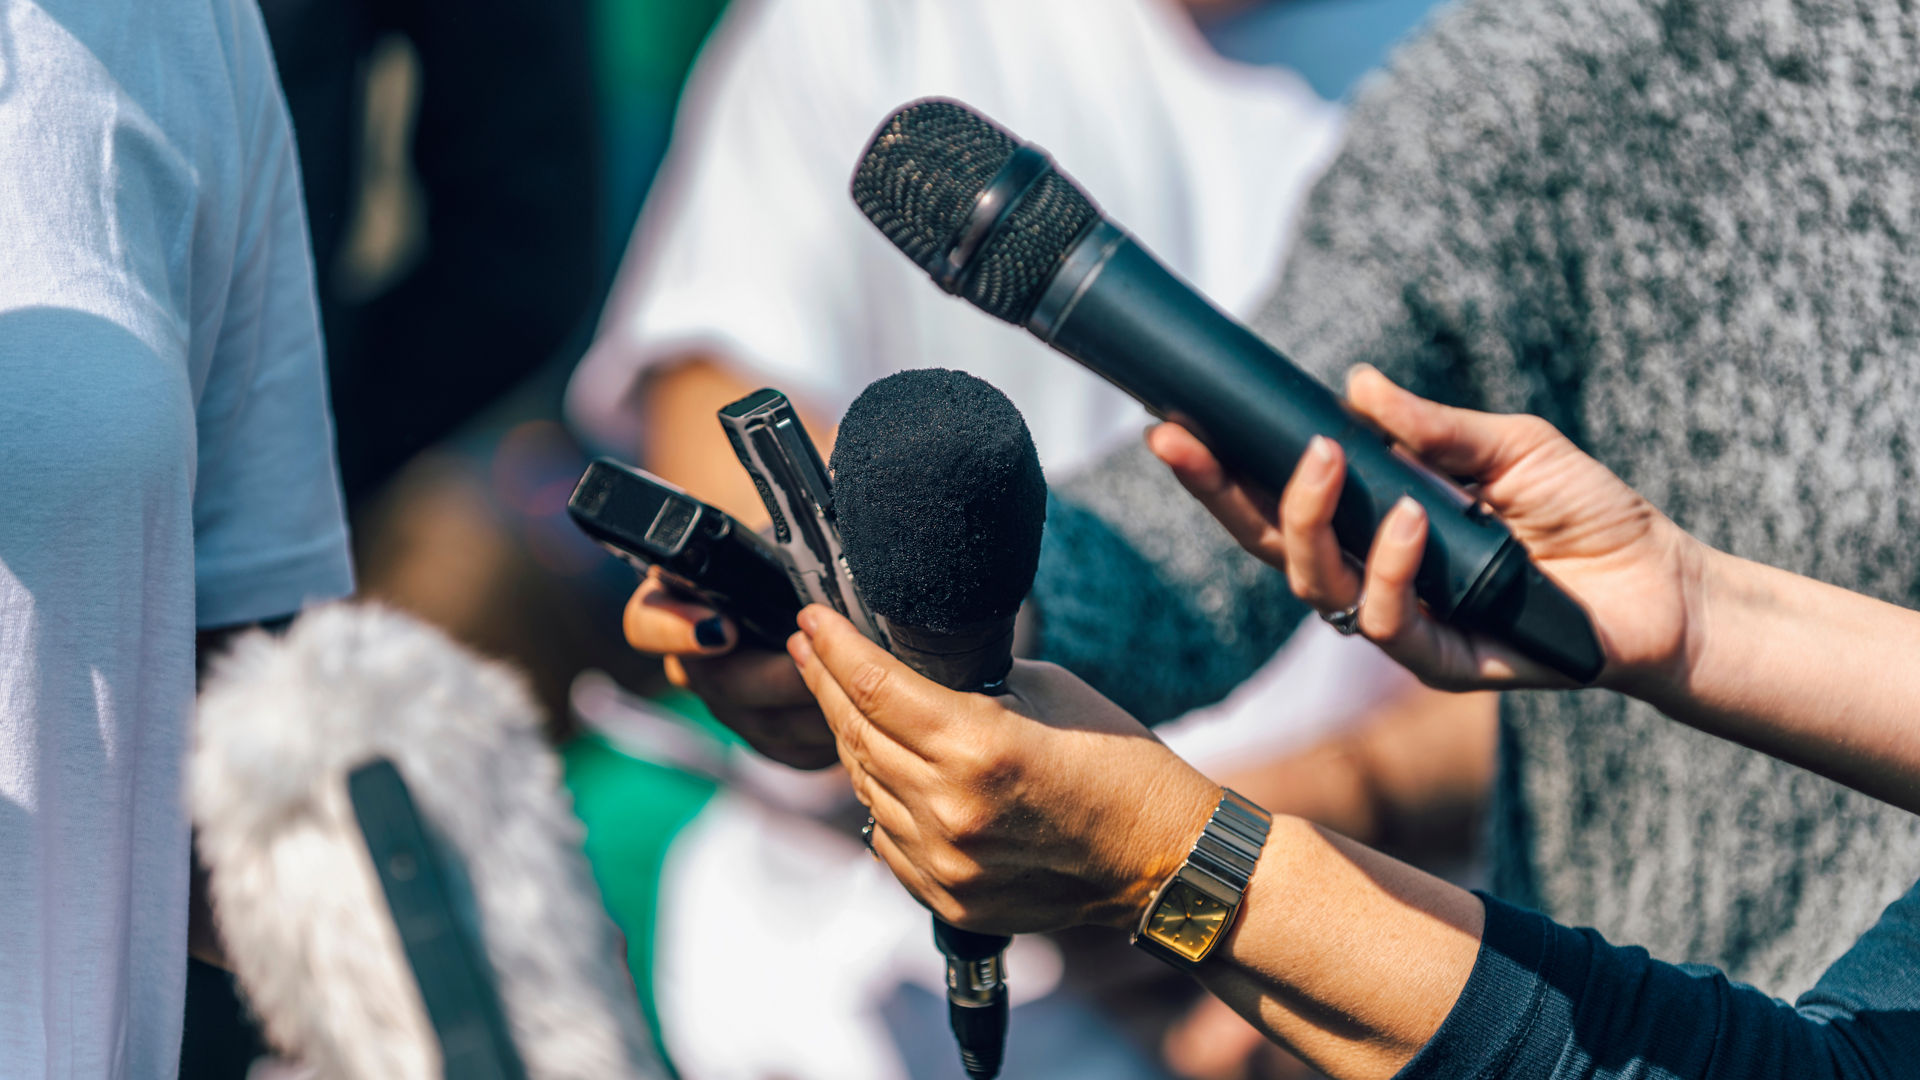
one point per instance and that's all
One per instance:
(1546, 1002)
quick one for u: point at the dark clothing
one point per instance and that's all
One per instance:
(1549, 1003)
(506, 149)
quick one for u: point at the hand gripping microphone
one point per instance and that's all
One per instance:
(395, 872)
(941, 503)
(991, 220)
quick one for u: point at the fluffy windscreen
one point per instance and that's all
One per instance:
(302, 913)
(918, 181)
(940, 499)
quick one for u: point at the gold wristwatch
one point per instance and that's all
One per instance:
(1193, 910)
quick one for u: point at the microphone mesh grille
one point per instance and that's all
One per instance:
(919, 178)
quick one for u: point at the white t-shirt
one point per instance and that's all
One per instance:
(751, 245)
(165, 462)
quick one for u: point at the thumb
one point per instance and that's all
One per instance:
(1460, 442)
(895, 699)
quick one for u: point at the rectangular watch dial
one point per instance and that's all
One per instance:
(1187, 921)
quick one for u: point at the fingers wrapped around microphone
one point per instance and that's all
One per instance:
(1384, 606)
(1637, 574)
(1042, 808)
(1315, 567)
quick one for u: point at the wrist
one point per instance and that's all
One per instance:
(1173, 814)
(1656, 658)
(1735, 612)
(1709, 581)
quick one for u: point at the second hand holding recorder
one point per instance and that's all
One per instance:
(700, 550)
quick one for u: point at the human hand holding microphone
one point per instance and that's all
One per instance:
(927, 530)
(1637, 574)
(753, 691)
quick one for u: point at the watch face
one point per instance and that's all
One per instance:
(1187, 920)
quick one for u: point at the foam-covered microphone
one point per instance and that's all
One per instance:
(391, 857)
(940, 501)
(992, 221)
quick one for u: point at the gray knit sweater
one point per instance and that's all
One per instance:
(1688, 233)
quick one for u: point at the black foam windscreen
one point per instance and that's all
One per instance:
(939, 499)
(918, 180)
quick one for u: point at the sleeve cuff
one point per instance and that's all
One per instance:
(1499, 1005)
(283, 584)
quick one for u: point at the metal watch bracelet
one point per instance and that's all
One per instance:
(1214, 876)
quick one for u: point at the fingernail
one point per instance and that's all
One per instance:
(1320, 453)
(711, 633)
(1409, 518)
(807, 620)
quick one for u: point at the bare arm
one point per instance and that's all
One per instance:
(1806, 672)
(1056, 808)
(681, 440)
(1348, 957)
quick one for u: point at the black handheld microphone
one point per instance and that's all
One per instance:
(941, 504)
(992, 221)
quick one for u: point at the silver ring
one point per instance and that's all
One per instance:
(866, 836)
(1347, 620)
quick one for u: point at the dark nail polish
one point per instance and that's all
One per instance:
(710, 633)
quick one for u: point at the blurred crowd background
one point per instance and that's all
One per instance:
(474, 173)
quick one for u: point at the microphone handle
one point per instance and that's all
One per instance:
(1114, 308)
(973, 658)
(443, 950)
(976, 995)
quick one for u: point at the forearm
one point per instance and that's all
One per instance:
(1370, 970)
(1347, 957)
(1812, 674)
(681, 440)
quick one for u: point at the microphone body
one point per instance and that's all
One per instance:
(975, 659)
(427, 900)
(1020, 241)
(940, 505)
(1117, 310)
